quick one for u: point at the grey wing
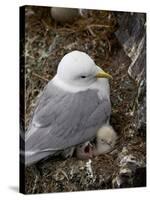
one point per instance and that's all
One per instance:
(62, 120)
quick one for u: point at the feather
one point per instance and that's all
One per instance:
(63, 119)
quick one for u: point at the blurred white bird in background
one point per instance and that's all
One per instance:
(65, 15)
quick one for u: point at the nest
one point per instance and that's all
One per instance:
(46, 42)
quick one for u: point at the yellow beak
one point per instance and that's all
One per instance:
(103, 74)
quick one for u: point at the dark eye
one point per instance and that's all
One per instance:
(83, 76)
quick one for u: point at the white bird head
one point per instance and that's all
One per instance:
(77, 68)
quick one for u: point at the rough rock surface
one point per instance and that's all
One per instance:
(46, 43)
(132, 36)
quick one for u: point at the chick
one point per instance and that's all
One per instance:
(105, 140)
(85, 151)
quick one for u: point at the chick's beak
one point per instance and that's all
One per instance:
(103, 74)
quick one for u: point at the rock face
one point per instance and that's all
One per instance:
(132, 171)
(123, 58)
(132, 36)
(141, 108)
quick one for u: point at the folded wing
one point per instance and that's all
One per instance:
(62, 120)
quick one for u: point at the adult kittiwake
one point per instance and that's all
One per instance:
(73, 106)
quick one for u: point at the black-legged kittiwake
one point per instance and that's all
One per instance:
(71, 109)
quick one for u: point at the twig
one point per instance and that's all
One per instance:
(98, 25)
(34, 185)
(90, 30)
(38, 76)
(89, 27)
(64, 173)
(46, 26)
(66, 30)
(109, 45)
